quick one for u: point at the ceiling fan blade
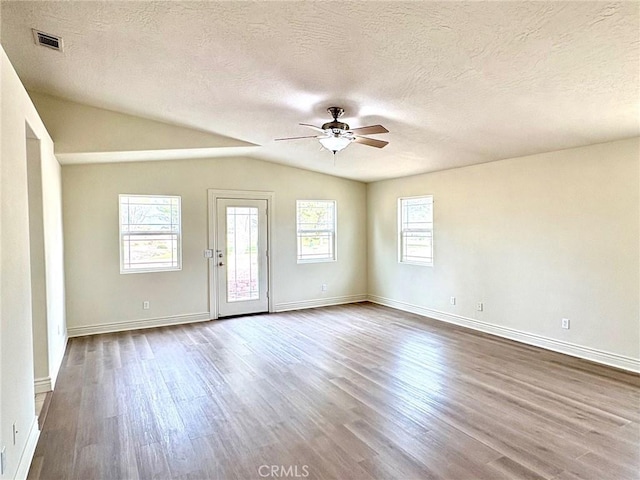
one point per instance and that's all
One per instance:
(372, 142)
(370, 130)
(312, 126)
(295, 138)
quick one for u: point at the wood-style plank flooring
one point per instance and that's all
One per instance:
(347, 392)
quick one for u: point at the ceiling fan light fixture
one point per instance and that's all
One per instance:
(335, 143)
(336, 136)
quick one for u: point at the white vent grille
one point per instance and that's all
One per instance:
(47, 40)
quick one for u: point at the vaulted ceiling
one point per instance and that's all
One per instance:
(455, 83)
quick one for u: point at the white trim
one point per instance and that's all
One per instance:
(137, 324)
(53, 373)
(29, 449)
(587, 353)
(213, 195)
(319, 302)
(42, 385)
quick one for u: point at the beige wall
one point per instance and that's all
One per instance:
(536, 239)
(79, 128)
(16, 347)
(97, 294)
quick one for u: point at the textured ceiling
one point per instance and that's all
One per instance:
(455, 83)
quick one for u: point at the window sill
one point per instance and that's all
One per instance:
(421, 264)
(320, 260)
(150, 270)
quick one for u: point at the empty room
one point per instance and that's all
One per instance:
(319, 240)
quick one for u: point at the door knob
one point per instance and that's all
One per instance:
(220, 264)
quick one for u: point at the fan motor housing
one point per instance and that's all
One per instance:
(335, 125)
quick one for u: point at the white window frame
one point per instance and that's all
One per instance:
(405, 230)
(123, 235)
(333, 232)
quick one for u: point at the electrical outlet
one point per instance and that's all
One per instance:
(3, 459)
(480, 306)
(324, 287)
(145, 305)
(452, 300)
(565, 323)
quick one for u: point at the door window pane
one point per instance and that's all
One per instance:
(242, 254)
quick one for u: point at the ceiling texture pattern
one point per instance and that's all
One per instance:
(456, 83)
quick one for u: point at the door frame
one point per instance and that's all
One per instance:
(214, 195)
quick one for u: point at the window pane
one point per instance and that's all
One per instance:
(150, 251)
(417, 247)
(149, 214)
(417, 213)
(315, 215)
(312, 246)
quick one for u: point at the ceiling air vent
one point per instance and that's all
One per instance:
(47, 40)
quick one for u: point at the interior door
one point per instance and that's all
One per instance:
(241, 256)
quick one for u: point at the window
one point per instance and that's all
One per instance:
(150, 234)
(415, 228)
(316, 220)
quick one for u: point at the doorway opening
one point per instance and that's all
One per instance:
(39, 320)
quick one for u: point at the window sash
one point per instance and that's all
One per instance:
(324, 249)
(414, 243)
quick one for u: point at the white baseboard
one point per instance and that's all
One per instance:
(137, 324)
(319, 302)
(29, 449)
(46, 384)
(42, 385)
(587, 353)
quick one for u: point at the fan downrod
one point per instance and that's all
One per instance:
(335, 112)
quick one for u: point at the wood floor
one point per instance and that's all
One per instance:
(348, 392)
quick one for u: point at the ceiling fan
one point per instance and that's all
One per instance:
(336, 136)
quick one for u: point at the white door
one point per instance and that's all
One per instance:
(241, 256)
